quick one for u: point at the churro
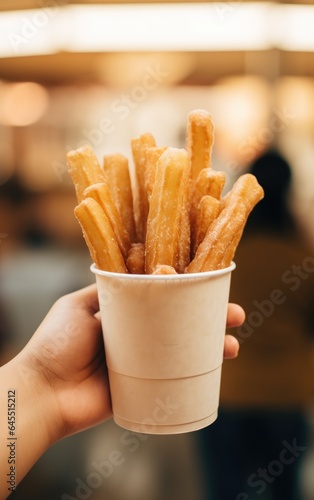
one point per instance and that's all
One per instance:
(99, 237)
(208, 183)
(84, 170)
(139, 146)
(208, 210)
(165, 270)
(116, 168)
(136, 259)
(152, 156)
(200, 138)
(172, 217)
(219, 245)
(101, 194)
(167, 204)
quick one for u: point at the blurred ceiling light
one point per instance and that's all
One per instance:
(293, 27)
(22, 104)
(151, 27)
(188, 27)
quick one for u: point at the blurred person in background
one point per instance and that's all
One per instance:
(257, 446)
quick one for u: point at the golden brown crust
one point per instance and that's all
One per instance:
(84, 170)
(177, 221)
(99, 237)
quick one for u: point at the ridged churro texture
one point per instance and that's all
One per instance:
(84, 169)
(99, 236)
(101, 193)
(117, 174)
(200, 138)
(170, 216)
(141, 206)
(168, 203)
(223, 235)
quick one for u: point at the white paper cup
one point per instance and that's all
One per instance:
(164, 341)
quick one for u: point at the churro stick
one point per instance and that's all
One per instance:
(139, 146)
(99, 237)
(101, 194)
(219, 245)
(165, 270)
(185, 230)
(136, 259)
(167, 205)
(152, 156)
(84, 169)
(208, 211)
(117, 174)
(208, 183)
(230, 250)
(200, 138)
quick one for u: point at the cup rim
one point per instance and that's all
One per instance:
(163, 277)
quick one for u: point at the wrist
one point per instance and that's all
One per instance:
(37, 398)
(27, 419)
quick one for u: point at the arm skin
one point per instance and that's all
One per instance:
(60, 382)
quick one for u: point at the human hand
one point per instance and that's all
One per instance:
(61, 375)
(59, 381)
(235, 317)
(68, 352)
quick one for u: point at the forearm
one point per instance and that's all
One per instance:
(24, 434)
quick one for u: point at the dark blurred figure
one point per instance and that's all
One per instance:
(256, 447)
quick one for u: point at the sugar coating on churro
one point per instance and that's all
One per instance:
(171, 216)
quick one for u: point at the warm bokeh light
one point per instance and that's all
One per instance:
(296, 95)
(126, 69)
(22, 104)
(242, 122)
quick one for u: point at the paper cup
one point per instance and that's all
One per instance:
(164, 341)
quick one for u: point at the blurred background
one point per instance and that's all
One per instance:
(98, 73)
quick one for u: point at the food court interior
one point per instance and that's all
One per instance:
(101, 73)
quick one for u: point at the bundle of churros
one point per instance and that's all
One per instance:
(170, 217)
